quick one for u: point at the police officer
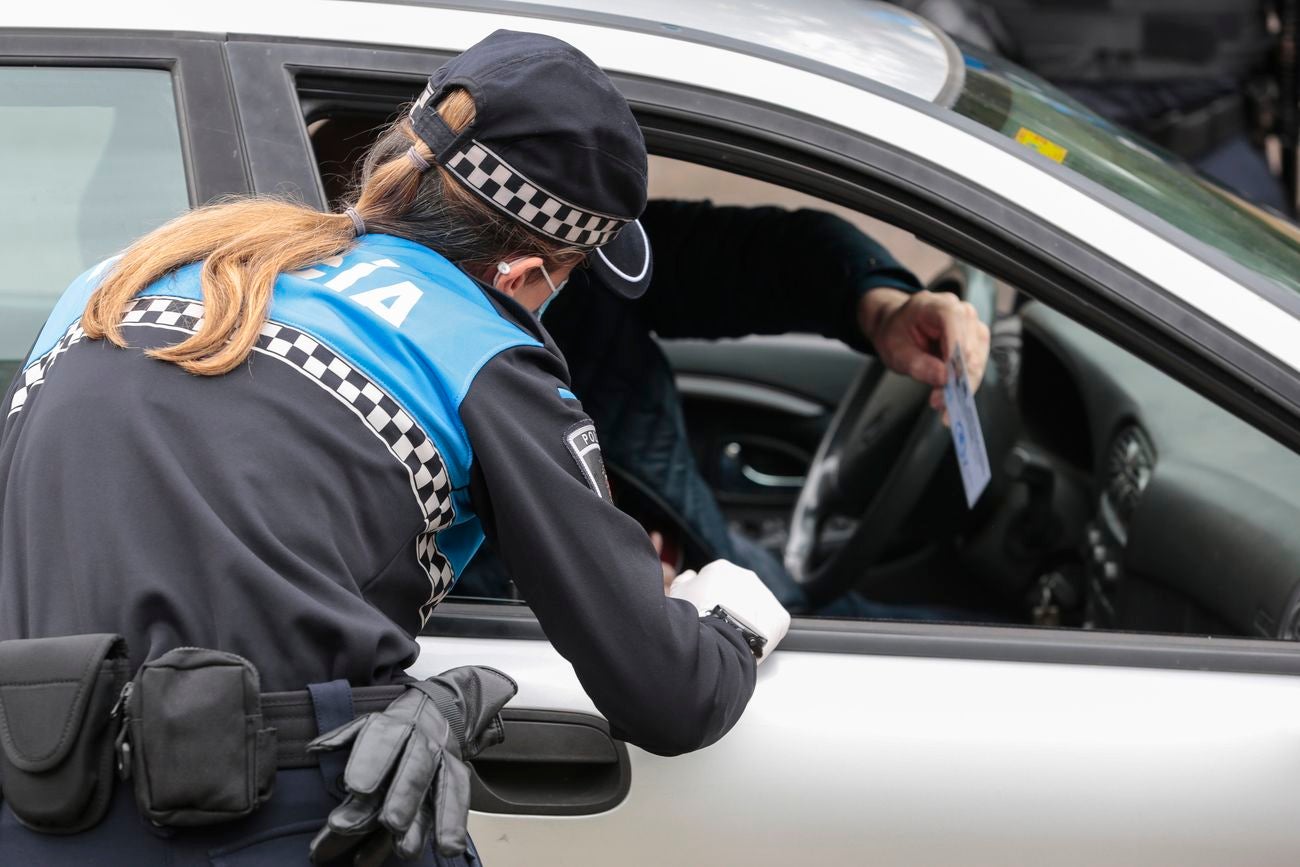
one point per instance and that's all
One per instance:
(280, 434)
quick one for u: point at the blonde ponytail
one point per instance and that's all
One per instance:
(246, 244)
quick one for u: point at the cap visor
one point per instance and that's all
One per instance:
(623, 265)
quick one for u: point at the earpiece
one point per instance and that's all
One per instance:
(503, 267)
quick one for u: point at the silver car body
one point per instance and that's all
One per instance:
(904, 756)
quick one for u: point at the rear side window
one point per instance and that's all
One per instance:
(89, 160)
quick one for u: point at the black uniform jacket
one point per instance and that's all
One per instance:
(308, 509)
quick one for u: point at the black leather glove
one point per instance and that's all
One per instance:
(407, 776)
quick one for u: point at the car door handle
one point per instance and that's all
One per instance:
(734, 461)
(551, 763)
(767, 480)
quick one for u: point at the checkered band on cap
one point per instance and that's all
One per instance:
(508, 190)
(403, 437)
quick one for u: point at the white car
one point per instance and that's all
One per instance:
(1137, 702)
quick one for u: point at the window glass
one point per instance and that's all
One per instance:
(1027, 109)
(89, 160)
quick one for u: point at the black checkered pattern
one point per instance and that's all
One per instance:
(158, 310)
(405, 439)
(495, 180)
(34, 374)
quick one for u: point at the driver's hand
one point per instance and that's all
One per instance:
(670, 571)
(914, 335)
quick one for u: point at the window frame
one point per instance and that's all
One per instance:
(921, 639)
(784, 147)
(971, 223)
(211, 145)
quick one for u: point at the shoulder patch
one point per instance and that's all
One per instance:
(582, 444)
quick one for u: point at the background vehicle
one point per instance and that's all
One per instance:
(1157, 387)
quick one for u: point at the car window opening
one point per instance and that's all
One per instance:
(1080, 528)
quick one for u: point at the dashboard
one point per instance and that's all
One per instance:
(1193, 522)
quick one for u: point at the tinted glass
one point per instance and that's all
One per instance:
(89, 160)
(1025, 108)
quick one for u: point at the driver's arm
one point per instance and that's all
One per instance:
(723, 271)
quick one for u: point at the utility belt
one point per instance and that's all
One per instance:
(191, 730)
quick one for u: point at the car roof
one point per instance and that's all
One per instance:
(914, 121)
(879, 42)
(849, 40)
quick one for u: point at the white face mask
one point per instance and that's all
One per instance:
(503, 268)
(555, 290)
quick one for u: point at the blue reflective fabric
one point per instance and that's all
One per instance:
(68, 308)
(403, 315)
(426, 364)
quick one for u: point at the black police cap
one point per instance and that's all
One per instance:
(552, 144)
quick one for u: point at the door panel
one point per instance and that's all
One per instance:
(802, 365)
(755, 410)
(845, 758)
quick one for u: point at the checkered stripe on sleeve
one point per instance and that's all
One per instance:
(34, 374)
(405, 439)
(497, 181)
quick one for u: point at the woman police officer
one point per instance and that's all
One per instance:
(281, 434)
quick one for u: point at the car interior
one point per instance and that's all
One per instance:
(1120, 498)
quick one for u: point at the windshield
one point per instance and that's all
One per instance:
(1026, 109)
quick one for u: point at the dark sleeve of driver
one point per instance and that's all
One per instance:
(666, 680)
(722, 271)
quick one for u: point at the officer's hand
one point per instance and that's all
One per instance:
(742, 593)
(406, 777)
(914, 335)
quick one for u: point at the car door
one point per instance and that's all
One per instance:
(101, 139)
(869, 742)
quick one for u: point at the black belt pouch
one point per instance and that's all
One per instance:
(56, 714)
(199, 753)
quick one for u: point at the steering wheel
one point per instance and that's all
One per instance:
(880, 453)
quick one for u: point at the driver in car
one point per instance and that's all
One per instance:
(730, 272)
